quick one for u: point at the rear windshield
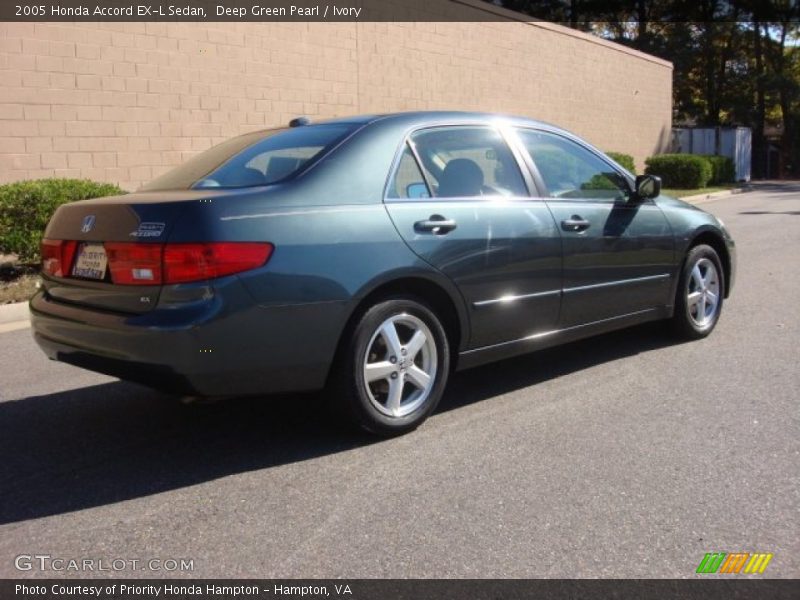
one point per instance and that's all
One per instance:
(253, 159)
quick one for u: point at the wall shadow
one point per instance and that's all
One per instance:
(117, 441)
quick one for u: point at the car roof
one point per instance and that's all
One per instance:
(415, 118)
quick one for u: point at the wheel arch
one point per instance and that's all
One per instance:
(446, 303)
(714, 239)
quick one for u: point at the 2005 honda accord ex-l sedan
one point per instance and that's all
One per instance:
(371, 256)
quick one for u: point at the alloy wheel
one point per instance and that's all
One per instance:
(400, 365)
(703, 293)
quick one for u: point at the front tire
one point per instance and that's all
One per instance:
(698, 301)
(393, 368)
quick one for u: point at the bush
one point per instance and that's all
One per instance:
(626, 160)
(681, 171)
(26, 207)
(722, 169)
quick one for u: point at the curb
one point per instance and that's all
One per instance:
(700, 198)
(14, 316)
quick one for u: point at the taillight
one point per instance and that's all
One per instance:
(134, 264)
(57, 256)
(193, 262)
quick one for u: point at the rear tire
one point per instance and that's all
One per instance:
(698, 300)
(392, 369)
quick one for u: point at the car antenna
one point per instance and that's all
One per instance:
(299, 122)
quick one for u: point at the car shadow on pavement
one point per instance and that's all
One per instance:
(117, 441)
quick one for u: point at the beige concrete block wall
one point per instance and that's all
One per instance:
(123, 102)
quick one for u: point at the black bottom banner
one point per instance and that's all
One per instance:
(401, 589)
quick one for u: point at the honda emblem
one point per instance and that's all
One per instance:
(88, 223)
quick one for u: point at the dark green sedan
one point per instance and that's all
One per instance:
(371, 256)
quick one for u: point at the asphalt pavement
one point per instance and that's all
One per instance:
(626, 455)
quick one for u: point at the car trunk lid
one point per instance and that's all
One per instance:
(90, 233)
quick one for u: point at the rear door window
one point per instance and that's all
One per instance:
(468, 162)
(408, 180)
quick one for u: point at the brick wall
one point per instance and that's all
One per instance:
(123, 102)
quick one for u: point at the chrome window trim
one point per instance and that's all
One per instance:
(466, 199)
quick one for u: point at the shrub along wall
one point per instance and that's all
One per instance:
(690, 171)
(26, 207)
(722, 169)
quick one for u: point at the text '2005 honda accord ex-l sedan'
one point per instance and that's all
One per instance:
(371, 256)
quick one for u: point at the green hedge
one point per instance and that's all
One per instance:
(681, 171)
(722, 169)
(26, 207)
(626, 160)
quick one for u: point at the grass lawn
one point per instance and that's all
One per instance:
(709, 190)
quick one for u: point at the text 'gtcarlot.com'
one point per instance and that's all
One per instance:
(46, 562)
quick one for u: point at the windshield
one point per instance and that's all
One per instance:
(259, 158)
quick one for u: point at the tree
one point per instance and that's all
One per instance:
(735, 61)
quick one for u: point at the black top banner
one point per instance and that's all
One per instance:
(565, 11)
(394, 589)
(254, 10)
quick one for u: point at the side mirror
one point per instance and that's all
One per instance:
(417, 190)
(648, 186)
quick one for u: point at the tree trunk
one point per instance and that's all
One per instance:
(759, 143)
(573, 14)
(641, 33)
(712, 101)
(783, 99)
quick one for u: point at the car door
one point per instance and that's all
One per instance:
(618, 250)
(458, 198)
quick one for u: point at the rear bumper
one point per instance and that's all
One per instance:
(225, 345)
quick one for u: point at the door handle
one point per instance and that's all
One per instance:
(435, 224)
(575, 223)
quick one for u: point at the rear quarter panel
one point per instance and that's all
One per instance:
(326, 259)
